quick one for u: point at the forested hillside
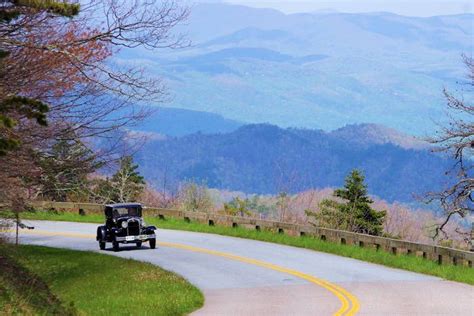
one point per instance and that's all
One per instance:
(268, 159)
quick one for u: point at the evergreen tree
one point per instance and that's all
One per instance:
(65, 170)
(351, 210)
(127, 183)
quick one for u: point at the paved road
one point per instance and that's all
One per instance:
(246, 277)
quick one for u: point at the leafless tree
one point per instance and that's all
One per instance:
(195, 197)
(66, 63)
(82, 84)
(457, 140)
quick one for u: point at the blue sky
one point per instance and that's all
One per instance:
(403, 7)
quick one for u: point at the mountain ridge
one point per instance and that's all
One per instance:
(248, 65)
(266, 159)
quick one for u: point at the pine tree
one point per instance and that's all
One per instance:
(127, 182)
(66, 168)
(351, 210)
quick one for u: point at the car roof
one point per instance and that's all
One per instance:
(116, 205)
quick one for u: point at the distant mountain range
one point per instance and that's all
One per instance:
(267, 159)
(314, 70)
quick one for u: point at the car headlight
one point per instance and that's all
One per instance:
(124, 224)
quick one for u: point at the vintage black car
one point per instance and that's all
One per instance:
(124, 224)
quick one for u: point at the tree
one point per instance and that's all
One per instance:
(283, 205)
(351, 210)
(238, 207)
(55, 68)
(14, 107)
(65, 170)
(127, 183)
(456, 139)
(195, 197)
(58, 83)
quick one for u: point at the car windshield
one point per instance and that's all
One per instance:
(125, 211)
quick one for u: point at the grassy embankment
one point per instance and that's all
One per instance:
(410, 263)
(37, 280)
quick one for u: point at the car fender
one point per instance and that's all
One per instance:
(150, 229)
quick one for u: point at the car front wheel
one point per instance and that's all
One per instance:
(153, 243)
(102, 245)
(139, 244)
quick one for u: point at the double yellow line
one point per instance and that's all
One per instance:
(349, 303)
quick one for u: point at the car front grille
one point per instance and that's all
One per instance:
(133, 228)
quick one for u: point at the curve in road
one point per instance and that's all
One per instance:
(349, 303)
(246, 276)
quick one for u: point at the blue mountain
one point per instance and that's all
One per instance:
(267, 159)
(314, 70)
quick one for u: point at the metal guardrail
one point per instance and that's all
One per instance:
(441, 255)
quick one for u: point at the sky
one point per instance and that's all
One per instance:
(402, 7)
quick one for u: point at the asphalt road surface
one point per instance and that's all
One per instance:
(247, 277)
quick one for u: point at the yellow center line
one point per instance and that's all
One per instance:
(349, 303)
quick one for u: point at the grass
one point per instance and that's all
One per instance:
(410, 263)
(49, 281)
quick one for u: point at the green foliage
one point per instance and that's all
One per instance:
(115, 286)
(29, 108)
(351, 211)
(62, 8)
(7, 16)
(238, 207)
(8, 144)
(19, 107)
(127, 182)
(126, 185)
(248, 206)
(128, 171)
(65, 170)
